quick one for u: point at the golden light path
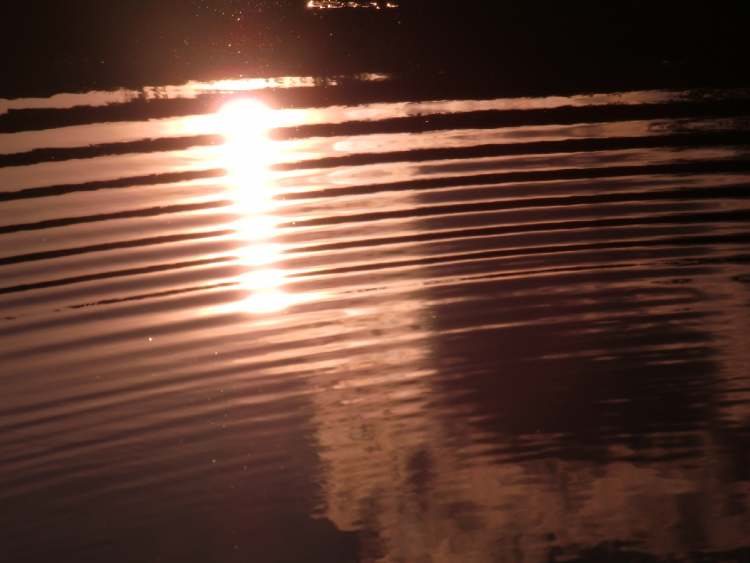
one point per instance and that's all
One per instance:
(247, 156)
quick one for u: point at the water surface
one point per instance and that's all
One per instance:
(282, 320)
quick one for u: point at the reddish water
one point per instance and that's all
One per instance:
(437, 330)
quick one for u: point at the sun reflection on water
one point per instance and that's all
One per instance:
(247, 156)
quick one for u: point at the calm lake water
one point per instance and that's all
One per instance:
(301, 320)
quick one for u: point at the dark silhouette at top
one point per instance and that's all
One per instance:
(83, 44)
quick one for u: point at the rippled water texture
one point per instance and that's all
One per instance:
(242, 323)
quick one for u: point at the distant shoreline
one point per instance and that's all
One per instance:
(516, 49)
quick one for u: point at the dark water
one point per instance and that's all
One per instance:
(331, 326)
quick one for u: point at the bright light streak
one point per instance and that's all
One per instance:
(247, 156)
